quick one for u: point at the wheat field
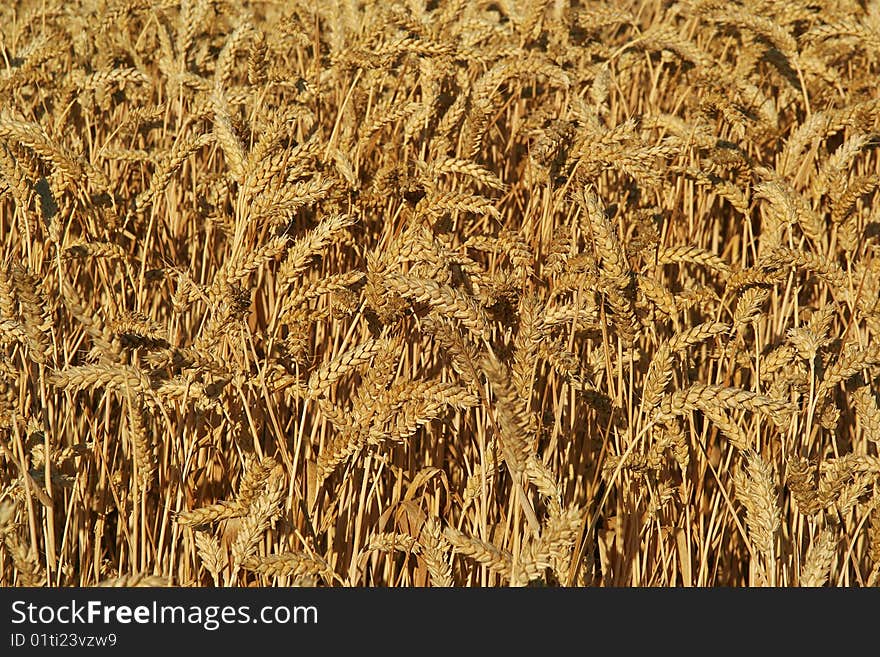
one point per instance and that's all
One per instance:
(439, 293)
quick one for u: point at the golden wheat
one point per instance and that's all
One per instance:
(444, 293)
